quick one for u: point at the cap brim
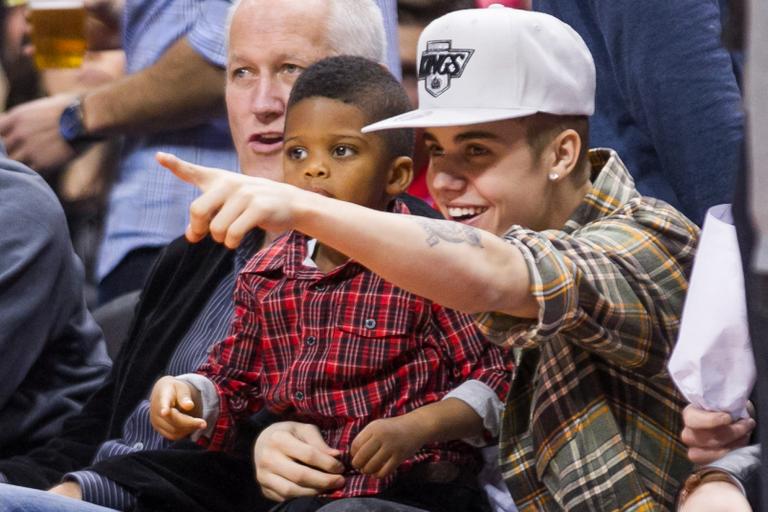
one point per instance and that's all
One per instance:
(427, 118)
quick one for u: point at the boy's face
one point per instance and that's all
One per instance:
(326, 153)
(486, 176)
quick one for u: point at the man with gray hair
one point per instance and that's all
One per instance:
(170, 100)
(109, 455)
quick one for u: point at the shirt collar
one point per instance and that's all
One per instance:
(248, 247)
(612, 188)
(289, 252)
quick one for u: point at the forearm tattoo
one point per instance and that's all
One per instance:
(451, 232)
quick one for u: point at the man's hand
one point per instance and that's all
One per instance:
(174, 409)
(716, 497)
(68, 489)
(710, 435)
(103, 24)
(232, 204)
(292, 460)
(384, 444)
(108, 12)
(31, 133)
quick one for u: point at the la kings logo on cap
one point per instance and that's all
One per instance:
(439, 63)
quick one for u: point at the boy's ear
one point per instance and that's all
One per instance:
(400, 176)
(565, 150)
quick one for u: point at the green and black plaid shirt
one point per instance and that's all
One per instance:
(593, 418)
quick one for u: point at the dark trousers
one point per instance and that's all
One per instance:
(408, 494)
(129, 275)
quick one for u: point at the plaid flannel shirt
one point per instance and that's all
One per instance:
(593, 418)
(340, 350)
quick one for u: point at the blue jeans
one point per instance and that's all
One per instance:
(21, 499)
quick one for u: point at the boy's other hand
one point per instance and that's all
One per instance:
(232, 204)
(69, 489)
(710, 435)
(292, 459)
(384, 444)
(174, 409)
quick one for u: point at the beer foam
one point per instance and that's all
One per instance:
(55, 4)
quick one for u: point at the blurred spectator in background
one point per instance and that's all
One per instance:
(18, 68)
(172, 100)
(53, 353)
(731, 471)
(82, 184)
(667, 96)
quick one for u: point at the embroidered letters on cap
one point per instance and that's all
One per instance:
(440, 63)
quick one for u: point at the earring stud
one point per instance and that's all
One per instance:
(553, 176)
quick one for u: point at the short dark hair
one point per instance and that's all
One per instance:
(365, 85)
(541, 128)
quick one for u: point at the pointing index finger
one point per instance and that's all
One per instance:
(193, 174)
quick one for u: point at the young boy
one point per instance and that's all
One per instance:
(319, 338)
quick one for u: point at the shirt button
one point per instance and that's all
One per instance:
(298, 395)
(320, 287)
(138, 446)
(311, 340)
(370, 323)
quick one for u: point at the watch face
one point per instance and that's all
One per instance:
(70, 125)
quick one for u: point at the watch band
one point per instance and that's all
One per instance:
(72, 128)
(705, 475)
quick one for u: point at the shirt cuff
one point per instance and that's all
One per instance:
(210, 396)
(739, 463)
(507, 330)
(484, 401)
(102, 491)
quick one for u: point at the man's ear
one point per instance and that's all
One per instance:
(565, 150)
(400, 176)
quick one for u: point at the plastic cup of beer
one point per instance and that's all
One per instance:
(58, 32)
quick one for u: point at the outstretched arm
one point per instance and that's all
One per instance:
(426, 257)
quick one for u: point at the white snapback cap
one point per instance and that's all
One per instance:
(483, 65)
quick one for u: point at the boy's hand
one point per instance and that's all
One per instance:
(384, 444)
(68, 489)
(232, 204)
(174, 409)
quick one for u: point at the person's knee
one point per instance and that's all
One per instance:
(16, 499)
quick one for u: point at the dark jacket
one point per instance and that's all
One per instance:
(185, 477)
(178, 288)
(52, 352)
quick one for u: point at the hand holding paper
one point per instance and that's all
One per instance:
(712, 363)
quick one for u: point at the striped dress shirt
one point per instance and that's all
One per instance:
(210, 326)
